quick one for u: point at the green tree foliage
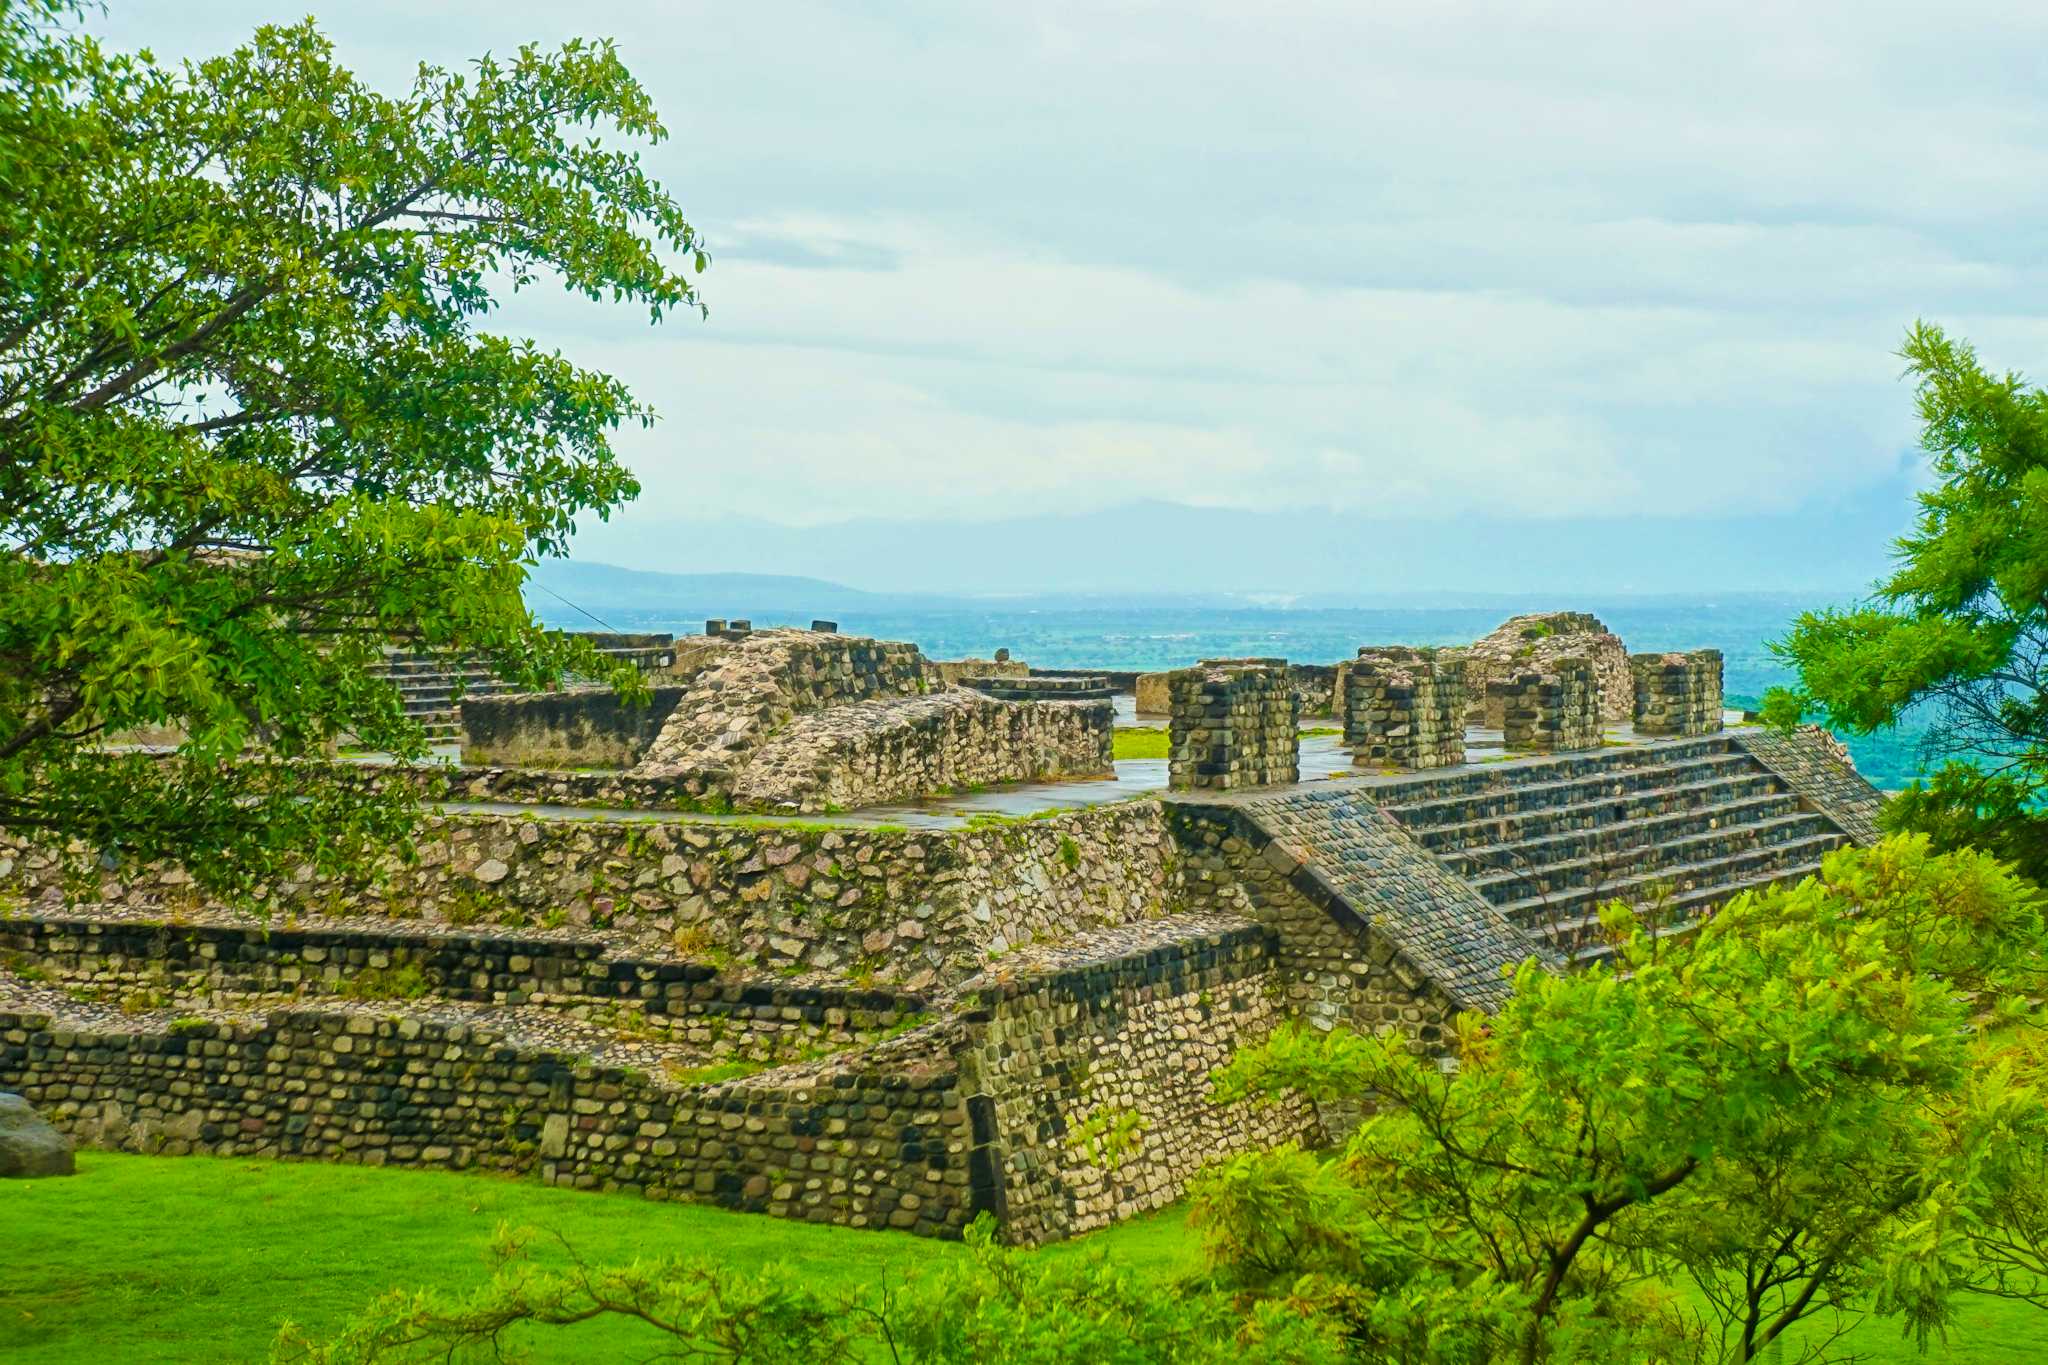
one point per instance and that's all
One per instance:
(1959, 630)
(997, 1306)
(1827, 1102)
(252, 427)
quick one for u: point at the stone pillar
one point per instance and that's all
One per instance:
(1233, 723)
(1552, 710)
(1405, 708)
(1677, 694)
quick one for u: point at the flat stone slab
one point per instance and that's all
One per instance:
(29, 1146)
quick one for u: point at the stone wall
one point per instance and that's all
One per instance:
(1523, 643)
(1405, 708)
(1002, 666)
(1677, 694)
(866, 755)
(1095, 1068)
(1154, 694)
(910, 908)
(758, 683)
(1067, 1091)
(1552, 710)
(1319, 688)
(878, 1139)
(718, 1013)
(1235, 723)
(584, 727)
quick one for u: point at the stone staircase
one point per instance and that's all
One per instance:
(1672, 829)
(427, 683)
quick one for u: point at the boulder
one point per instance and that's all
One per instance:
(29, 1146)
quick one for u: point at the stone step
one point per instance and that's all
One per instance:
(1515, 880)
(1527, 771)
(1712, 877)
(1560, 846)
(1568, 791)
(1517, 825)
(1689, 911)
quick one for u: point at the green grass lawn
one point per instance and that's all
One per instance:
(1139, 742)
(199, 1259)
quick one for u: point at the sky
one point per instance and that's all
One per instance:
(1018, 267)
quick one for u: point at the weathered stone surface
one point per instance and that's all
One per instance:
(1553, 708)
(1529, 643)
(1405, 708)
(29, 1146)
(577, 727)
(881, 751)
(1677, 694)
(770, 897)
(1235, 723)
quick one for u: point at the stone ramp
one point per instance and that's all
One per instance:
(1342, 852)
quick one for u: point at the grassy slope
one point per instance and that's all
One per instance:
(197, 1259)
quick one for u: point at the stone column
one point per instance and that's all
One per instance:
(1552, 710)
(1677, 694)
(1233, 723)
(1405, 708)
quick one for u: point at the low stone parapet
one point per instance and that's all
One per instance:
(1405, 708)
(1552, 710)
(582, 727)
(1677, 694)
(1010, 687)
(1235, 723)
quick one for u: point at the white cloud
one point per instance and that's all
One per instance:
(980, 261)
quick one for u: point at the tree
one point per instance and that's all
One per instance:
(252, 428)
(1959, 631)
(1827, 1102)
(992, 1306)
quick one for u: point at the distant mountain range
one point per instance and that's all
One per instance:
(1168, 551)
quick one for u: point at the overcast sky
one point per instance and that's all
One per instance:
(978, 260)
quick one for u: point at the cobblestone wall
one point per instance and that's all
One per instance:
(911, 907)
(1552, 710)
(881, 1140)
(585, 727)
(1525, 643)
(1095, 1067)
(1235, 723)
(133, 961)
(883, 751)
(1405, 708)
(759, 682)
(1677, 694)
(1066, 1092)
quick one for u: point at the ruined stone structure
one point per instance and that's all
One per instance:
(1405, 708)
(1554, 709)
(1234, 724)
(1523, 643)
(878, 1026)
(886, 751)
(798, 721)
(578, 727)
(1319, 688)
(1677, 694)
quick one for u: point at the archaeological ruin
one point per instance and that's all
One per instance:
(833, 931)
